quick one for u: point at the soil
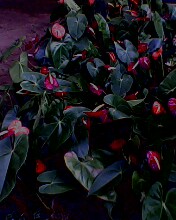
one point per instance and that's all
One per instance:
(13, 25)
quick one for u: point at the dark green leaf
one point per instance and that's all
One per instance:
(168, 85)
(127, 55)
(121, 83)
(154, 207)
(110, 173)
(158, 24)
(55, 185)
(77, 25)
(85, 172)
(11, 159)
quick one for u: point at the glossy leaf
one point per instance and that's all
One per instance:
(120, 83)
(54, 184)
(158, 25)
(103, 27)
(168, 85)
(94, 68)
(127, 55)
(77, 25)
(11, 159)
(109, 174)
(118, 103)
(86, 171)
(156, 207)
(19, 67)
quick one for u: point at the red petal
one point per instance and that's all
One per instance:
(158, 109)
(117, 144)
(40, 167)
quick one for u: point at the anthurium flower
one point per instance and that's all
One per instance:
(172, 106)
(136, 2)
(144, 62)
(101, 114)
(60, 94)
(158, 109)
(44, 70)
(131, 68)
(5, 134)
(157, 54)
(131, 97)
(112, 57)
(154, 160)
(40, 167)
(117, 144)
(16, 128)
(142, 47)
(95, 89)
(91, 2)
(51, 82)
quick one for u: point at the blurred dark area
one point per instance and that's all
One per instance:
(32, 6)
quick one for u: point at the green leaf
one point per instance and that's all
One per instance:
(55, 185)
(138, 183)
(11, 159)
(33, 82)
(109, 174)
(19, 67)
(128, 55)
(103, 27)
(60, 53)
(94, 68)
(120, 83)
(118, 103)
(77, 24)
(155, 208)
(17, 44)
(10, 116)
(168, 85)
(86, 171)
(158, 24)
(134, 103)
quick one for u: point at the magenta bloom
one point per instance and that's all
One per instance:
(172, 106)
(51, 82)
(154, 160)
(95, 89)
(144, 62)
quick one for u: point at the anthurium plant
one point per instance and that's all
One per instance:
(95, 110)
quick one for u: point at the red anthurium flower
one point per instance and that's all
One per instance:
(131, 97)
(5, 134)
(95, 89)
(157, 54)
(136, 2)
(158, 109)
(44, 70)
(58, 31)
(68, 107)
(60, 94)
(172, 106)
(154, 160)
(84, 54)
(144, 62)
(142, 19)
(91, 2)
(16, 128)
(91, 31)
(131, 68)
(29, 45)
(51, 82)
(142, 47)
(102, 114)
(40, 167)
(86, 122)
(117, 144)
(112, 57)
(61, 2)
